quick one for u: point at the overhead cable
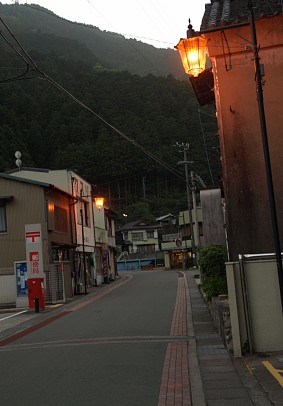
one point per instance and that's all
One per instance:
(72, 97)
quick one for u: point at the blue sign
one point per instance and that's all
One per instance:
(21, 275)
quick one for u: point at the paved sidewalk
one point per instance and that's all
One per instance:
(224, 380)
(175, 382)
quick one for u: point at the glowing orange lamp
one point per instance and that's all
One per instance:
(192, 51)
(99, 202)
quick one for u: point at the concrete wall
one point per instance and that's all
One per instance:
(213, 217)
(8, 290)
(264, 315)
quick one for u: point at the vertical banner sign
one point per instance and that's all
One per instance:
(105, 262)
(34, 258)
(21, 277)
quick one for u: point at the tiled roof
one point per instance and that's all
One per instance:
(138, 225)
(229, 12)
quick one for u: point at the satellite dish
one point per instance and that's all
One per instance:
(18, 163)
(18, 160)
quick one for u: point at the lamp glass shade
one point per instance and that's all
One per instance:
(193, 54)
(99, 202)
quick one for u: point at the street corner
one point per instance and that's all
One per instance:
(267, 368)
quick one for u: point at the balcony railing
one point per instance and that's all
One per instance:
(170, 237)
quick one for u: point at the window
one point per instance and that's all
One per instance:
(150, 234)
(86, 213)
(61, 219)
(50, 215)
(137, 236)
(64, 252)
(145, 248)
(83, 211)
(3, 219)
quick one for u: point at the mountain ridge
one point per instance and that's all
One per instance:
(110, 48)
(54, 131)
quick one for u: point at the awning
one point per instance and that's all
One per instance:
(4, 199)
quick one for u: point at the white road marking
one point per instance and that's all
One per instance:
(13, 315)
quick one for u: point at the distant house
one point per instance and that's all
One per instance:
(176, 237)
(24, 202)
(171, 242)
(141, 236)
(139, 247)
(226, 28)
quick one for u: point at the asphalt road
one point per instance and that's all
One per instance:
(108, 353)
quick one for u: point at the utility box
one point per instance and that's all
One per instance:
(36, 297)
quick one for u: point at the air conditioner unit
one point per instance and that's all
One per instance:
(79, 288)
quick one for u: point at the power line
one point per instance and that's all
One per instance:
(72, 97)
(205, 148)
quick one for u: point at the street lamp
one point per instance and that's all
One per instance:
(99, 203)
(192, 51)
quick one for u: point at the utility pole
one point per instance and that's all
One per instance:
(184, 148)
(83, 242)
(143, 187)
(197, 236)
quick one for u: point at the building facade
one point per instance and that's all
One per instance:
(227, 31)
(27, 202)
(93, 262)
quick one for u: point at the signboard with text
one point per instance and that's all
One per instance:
(33, 238)
(21, 278)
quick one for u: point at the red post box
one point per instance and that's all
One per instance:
(36, 297)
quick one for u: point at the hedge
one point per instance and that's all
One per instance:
(211, 261)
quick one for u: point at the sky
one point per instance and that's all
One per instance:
(158, 22)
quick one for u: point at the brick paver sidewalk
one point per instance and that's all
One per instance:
(175, 385)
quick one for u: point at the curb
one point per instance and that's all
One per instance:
(197, 390)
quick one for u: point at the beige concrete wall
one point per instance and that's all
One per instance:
(263, 297)
(213, 217)
(8, 289)
(26, 207)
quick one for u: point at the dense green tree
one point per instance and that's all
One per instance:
(53, 129)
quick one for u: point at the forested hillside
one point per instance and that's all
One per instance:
(101, 123)
(42, 30)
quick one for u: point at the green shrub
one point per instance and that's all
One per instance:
(211, 261)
